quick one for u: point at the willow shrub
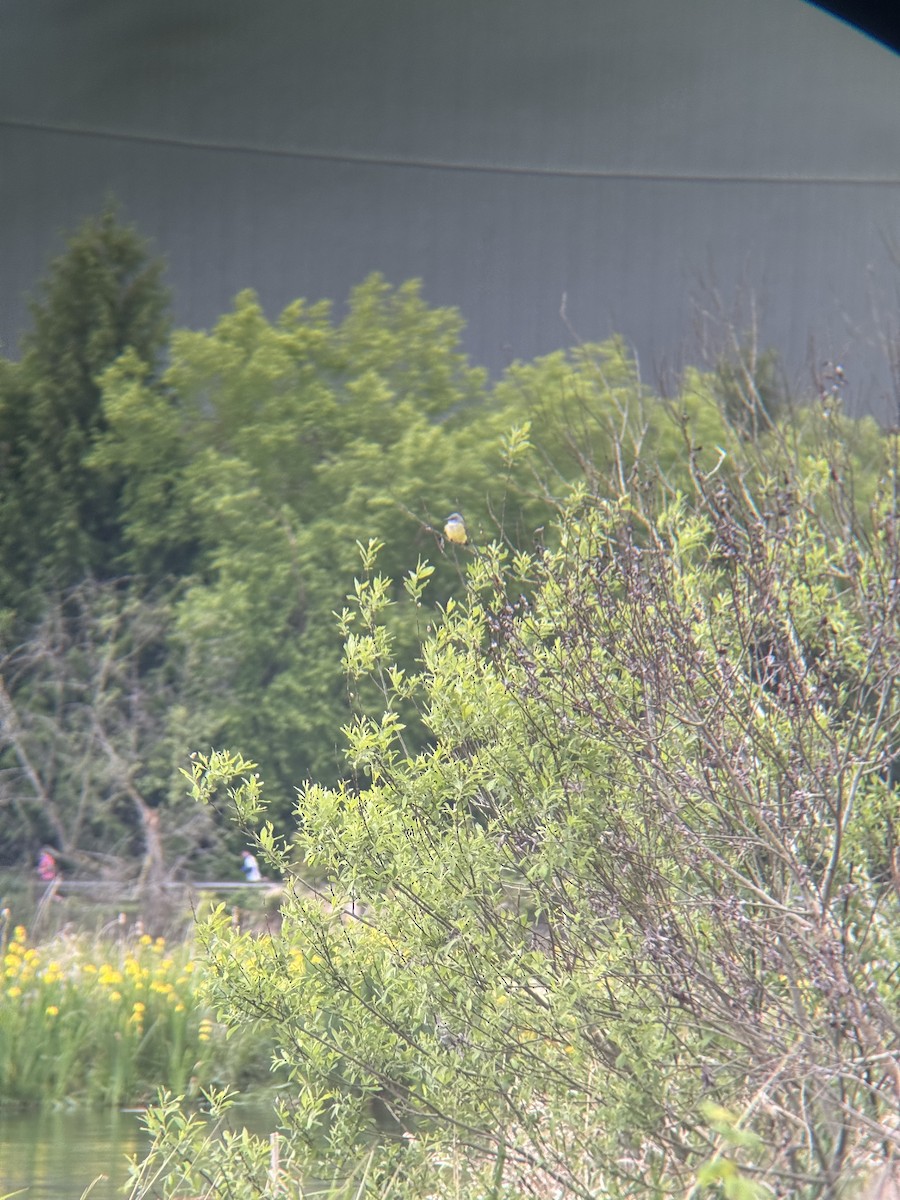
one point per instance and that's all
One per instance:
(99, 1022)
(628, 926)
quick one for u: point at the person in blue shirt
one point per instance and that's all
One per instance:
(250, 867)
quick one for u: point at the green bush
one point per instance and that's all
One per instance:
(628, 924)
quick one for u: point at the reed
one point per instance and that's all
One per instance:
(100, 1021)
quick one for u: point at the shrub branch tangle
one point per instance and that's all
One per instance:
(725, 676)
(629, 923)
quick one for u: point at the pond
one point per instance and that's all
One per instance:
(57, 1155)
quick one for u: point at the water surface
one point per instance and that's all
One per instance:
(58, 1155)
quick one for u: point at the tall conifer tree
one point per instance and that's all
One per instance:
(59, 520)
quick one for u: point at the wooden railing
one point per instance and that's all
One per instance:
(41, 906)
(65, 887)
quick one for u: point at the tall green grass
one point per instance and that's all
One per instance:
(107, 1022)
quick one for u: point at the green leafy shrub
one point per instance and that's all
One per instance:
(644, 874)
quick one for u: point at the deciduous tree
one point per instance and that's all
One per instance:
(91, 727)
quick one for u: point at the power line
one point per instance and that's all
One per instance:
(451, 165)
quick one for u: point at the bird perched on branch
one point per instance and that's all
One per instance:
(455, 530)
(448, 1039)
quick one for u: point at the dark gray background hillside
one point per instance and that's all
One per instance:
(647, 158)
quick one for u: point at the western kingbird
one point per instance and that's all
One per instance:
(455, 529)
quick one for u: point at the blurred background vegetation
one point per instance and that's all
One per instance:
(180, 512)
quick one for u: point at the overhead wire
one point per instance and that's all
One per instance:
(409, 162)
